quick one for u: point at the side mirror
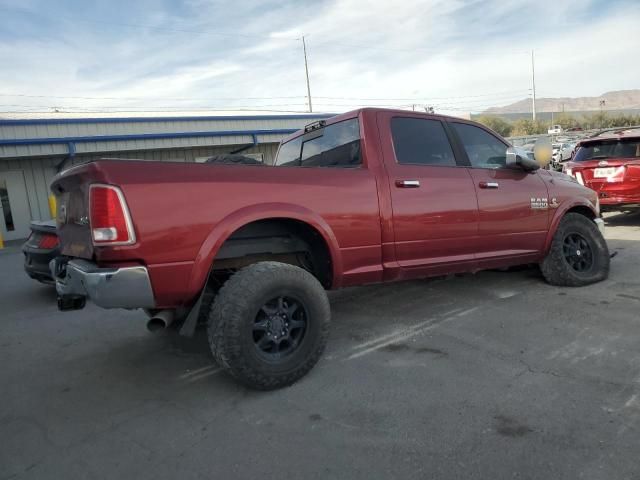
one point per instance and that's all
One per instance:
(542, 151)
(518, 158)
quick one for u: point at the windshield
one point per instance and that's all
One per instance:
(609, 149)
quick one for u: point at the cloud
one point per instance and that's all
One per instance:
(455, 54)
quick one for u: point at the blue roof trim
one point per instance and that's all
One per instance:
(49, 121)
(144, 136)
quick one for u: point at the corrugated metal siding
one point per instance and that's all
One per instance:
(168, 126)
(179, 155)
(38, 174)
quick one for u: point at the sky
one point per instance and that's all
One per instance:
(198, 55)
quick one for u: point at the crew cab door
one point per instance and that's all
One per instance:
(512, 203)
(434, 209)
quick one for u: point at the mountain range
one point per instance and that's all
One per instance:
(616, 100)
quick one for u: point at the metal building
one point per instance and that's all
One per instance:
(32, 151)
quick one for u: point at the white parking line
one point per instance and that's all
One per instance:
(197, 371)
(412, 331)
(398, 332)
(210, 373)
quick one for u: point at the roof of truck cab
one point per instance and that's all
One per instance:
(356, 113)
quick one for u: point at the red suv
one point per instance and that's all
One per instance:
(609, 164)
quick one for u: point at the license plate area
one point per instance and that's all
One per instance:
(604, 172)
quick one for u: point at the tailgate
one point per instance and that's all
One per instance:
(71, 189)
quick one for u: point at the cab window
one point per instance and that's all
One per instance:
(289, 153)
(336, 145)
(483, 149)
(418, 141)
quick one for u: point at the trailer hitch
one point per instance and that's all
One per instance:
(71, 302)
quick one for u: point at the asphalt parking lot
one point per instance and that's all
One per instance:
(494, 375)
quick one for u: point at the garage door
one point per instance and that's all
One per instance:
(15, 214)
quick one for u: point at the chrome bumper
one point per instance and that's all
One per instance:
(127, 287)
(600, 224)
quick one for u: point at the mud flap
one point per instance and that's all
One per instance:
(190, 323)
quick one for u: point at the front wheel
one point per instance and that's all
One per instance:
(269, 324)
(578, 255)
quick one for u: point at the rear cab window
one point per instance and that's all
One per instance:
(335, 145)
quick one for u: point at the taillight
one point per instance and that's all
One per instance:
(109, 217)
(48, 241)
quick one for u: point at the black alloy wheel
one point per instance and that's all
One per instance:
(279, 327)
(577, 252)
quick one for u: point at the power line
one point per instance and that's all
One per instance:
(424, 98)
(373, 99)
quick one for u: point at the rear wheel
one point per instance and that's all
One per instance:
(269, 324)
(579, 254)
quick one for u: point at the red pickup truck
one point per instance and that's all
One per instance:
(368, 196)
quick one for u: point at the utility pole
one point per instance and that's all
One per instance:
(533, 84)
(306, 71)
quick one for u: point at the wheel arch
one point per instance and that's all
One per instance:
(583, 207)
(275, 212)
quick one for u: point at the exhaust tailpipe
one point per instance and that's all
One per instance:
(160, 320)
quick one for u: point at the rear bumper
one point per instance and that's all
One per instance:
(612, 202)
(127, 287)
(36, 263)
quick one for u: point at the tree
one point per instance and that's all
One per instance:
(496, 124)
(565, 120)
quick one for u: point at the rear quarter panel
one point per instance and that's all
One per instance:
(183, 213)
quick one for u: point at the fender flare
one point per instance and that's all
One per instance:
(560, 213)
(239, 218)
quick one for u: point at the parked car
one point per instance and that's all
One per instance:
(561, 153)
(610, 165)
(555, 130)
(528, 148)
(41, 247)
(368, 196)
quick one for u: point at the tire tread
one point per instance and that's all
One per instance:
(554, 267)
(225, 321)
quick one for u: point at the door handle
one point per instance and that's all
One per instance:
(408, 183)
(489, 185)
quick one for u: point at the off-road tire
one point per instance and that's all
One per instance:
(555, 267)
(234, 311)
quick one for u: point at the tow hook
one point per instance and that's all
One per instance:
(71, 302)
